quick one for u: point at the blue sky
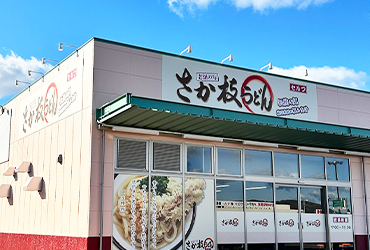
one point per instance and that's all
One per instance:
(329, 38)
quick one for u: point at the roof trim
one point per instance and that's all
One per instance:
(145, 113)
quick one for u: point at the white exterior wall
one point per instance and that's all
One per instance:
(343, 107)
(117, 70)
(358, 196)
(65, 209)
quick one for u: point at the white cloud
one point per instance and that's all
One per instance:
(262, 5)
(14, 67)
(180, 6)
(340, 76)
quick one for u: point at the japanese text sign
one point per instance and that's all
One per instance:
(215, 86)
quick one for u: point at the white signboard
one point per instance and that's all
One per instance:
(287, 227)
(4, 135)
(52, 102)
(230, 227)
(313, 228)
(214, 86)
(260, 227)
(340, 226)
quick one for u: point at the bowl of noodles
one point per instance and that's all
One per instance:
(150, 211)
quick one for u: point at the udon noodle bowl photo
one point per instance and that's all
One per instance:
(133, 212)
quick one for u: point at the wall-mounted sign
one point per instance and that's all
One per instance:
(51, 103)
(340, 204)
(340, 226)
(216, 86)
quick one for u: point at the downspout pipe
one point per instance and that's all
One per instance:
(102, 192)
(366, 205)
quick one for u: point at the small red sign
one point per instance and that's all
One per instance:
(340, 220)
(71, 75)
(298, 88)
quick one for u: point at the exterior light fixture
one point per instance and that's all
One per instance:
(268, 65)
(61, 45)
(188, 50)
(306, 72)
(31, 71)
(17, 83)
(46, 59)
(230, 58)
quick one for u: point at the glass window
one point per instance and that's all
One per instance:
(286, 165)
(230, 212)
(227, 190)
(199, 159)
(339, 200)
(286, 199)
(229, 161)
(259, 192)
(286, 215)
(312, 200)
(312, 167)
(258, 162)
(166, 156)
(259, 214)
(131, 154)
(337, 169)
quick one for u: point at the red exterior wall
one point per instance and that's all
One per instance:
(361, 242)
(10, 241)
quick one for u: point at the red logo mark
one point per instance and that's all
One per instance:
(261, 93)
(51, 101)
(208, 244)
(71, 75)
(298, 88)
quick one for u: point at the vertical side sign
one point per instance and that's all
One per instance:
(4, 135)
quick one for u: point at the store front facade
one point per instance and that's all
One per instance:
(132, 148)
(249, 195)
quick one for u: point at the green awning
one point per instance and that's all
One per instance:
(144, 113)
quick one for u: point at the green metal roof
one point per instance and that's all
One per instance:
(144, 113)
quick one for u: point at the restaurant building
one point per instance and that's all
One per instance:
(121, 147)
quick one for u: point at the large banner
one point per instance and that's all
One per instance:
(149, 212)
(52, 102)
(209, 85)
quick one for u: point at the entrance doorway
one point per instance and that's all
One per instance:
(300, 217)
